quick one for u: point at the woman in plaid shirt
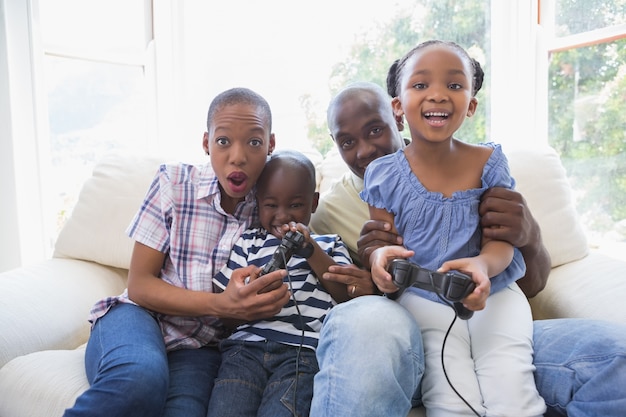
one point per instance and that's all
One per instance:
(153, 349)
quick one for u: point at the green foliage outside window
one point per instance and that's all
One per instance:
(466, 23)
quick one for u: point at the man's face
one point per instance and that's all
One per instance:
(364, 128)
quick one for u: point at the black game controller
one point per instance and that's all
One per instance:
(292, 243)
(452, 286)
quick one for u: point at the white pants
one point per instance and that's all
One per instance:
(488, 358)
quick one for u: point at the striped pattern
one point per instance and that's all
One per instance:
(256, 247)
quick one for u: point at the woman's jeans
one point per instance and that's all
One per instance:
(132, 375)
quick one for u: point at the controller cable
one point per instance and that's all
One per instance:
(443, 347)
(295, 302)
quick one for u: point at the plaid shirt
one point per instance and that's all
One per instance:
(182, 217)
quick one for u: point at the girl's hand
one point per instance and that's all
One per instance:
(379, 260)
(475, 268)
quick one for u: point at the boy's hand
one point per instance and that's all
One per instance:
(475, 268)
(261, 298)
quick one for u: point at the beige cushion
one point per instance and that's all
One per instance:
(45, 306)
(46, 383)
(593, 287)
(330, 169)
(106, 205)
(541, 179)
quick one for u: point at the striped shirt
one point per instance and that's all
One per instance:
(256, 247)
(182, 217)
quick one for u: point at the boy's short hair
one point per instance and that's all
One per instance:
(294, 158)
(238, 95)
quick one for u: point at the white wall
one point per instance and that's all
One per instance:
(22, 236)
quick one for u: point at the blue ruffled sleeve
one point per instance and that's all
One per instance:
(378, 181)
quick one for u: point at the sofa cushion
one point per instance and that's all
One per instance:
(542, 180)
(106, 205)
(593, 287)
(43, 383)
(45, 305)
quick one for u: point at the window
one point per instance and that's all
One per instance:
(99, 98)
(587, 108)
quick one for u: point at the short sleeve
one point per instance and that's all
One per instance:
(379, 178)
(496, 172)
(151, 224)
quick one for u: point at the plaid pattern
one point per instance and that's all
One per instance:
(182, 217)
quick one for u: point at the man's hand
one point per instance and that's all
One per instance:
(505, 216)
(357, 281)
(375, 234)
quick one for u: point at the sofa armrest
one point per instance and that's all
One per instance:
(45, 306)
(592, 287)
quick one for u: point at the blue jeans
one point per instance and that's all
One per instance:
(132, 375)
(581, 367)
(259, 379)
(371, 360)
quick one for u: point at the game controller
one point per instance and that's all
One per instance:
(292, 243)
(453, 286)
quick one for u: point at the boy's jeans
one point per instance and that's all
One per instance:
(258, 379)
(131, 374)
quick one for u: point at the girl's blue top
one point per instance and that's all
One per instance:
(438, 228)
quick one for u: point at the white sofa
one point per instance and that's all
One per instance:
(43, 307)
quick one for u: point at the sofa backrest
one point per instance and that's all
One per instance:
(107, 203)
(112, 195)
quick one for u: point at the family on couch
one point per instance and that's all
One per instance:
(158, 354)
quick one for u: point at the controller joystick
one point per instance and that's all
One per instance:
(452, 285)
(292, 243)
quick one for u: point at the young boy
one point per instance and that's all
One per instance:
(153, 349)
(268, 365)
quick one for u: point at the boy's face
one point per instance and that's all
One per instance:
(364, 129)
(238, 143)
(285, 195)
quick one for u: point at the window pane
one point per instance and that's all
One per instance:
(299, 63)
(94, 108)
(588, 128)
(94, 26)
(576, 16)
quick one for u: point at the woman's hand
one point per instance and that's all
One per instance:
(262, 297)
